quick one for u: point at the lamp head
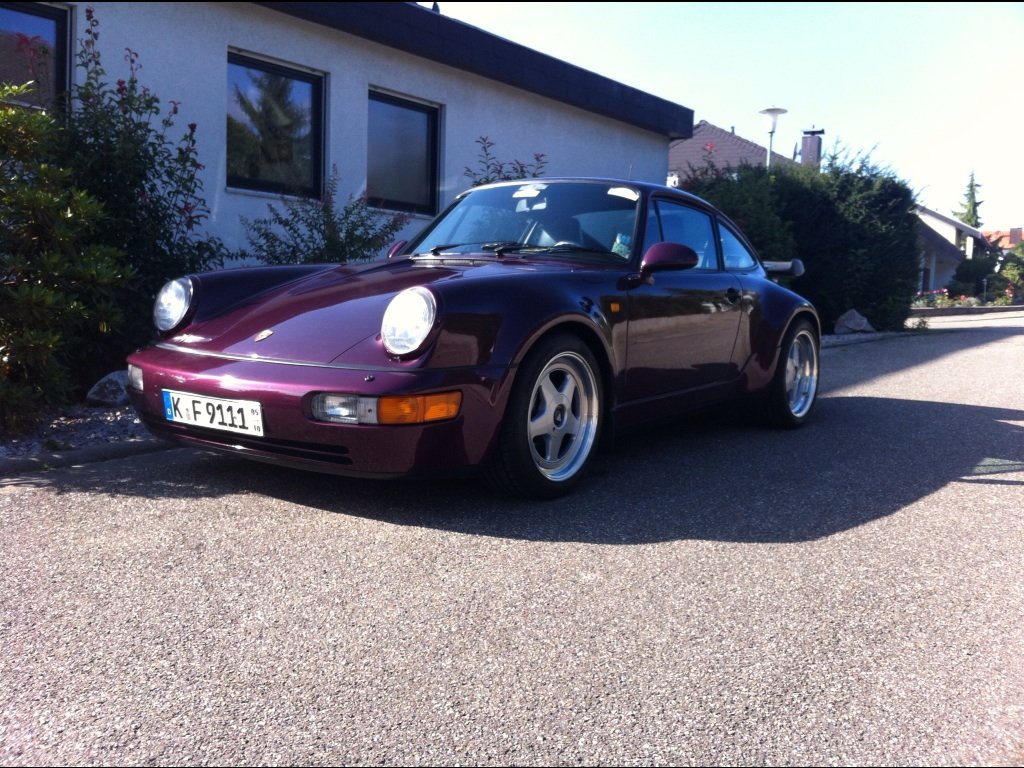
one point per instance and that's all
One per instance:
(772, 114)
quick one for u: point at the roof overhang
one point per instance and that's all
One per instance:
(421, 32)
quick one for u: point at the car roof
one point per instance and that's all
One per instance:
(647, 187)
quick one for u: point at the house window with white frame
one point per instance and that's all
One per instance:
(274, 128)
(34, 49)
(402, 154)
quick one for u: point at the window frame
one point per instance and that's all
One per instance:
(723, 230)
(317, 107)
(709, 256)
(62, 47)
(433, 112)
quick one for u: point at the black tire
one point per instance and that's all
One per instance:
(794, 388)
(553, 421)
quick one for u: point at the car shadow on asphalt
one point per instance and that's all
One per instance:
(712, 477)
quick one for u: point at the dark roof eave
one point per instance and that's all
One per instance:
(933, 240)
(411, 28)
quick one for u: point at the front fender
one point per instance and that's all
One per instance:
(497, 325)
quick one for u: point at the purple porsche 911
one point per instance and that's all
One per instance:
(528, 320)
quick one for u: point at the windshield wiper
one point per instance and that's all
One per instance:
(511, 246)
(437, 250)
(500, 248)
(577, 248)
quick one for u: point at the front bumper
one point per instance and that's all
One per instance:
(292, 437)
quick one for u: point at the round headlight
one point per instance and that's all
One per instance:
(172, 303)
(407, 320)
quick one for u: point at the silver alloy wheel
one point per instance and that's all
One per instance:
(562, 420)
(802, 373)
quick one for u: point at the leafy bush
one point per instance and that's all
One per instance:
(976, 276)
(491, 169)
(869, 259)
(748, 196)
(307, 230)
(89, 188)
(58, 289)
(1012, 269)
(116, 146)
(852, 224)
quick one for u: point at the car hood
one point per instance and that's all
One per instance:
(319, 318)
(310, 320)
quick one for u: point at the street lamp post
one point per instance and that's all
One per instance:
(773, 116)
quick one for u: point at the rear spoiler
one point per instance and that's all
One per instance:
(793, 268)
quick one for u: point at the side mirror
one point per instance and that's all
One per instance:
(396, 249)
(662, 256)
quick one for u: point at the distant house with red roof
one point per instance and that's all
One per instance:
(712, 144)
(1004, 239)
(725, 149)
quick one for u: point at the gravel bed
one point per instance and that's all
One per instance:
(80, 426)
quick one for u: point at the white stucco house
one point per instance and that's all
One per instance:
(944, 243)
(395, 96)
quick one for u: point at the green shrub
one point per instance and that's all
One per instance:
(115, 142)
(308, 231)
(747, 195)
(852, 224)
(1012, 269)
(855, 231)
(975, 276)
(490, 169)
(99, 208)
(57, 296)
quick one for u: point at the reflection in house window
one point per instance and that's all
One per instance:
(34, 47)
(402, 155)
(274, 128)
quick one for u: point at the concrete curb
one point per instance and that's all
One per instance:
(951, 311)
(842, 340)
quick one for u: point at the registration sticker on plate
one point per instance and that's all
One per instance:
(245, 416)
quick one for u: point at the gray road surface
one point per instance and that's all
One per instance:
(848, 594)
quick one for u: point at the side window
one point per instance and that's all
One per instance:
(401, 167)
(675, 223)
(34, 47)
(736, 254)
(275, 128)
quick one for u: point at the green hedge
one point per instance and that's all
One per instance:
(852, 223)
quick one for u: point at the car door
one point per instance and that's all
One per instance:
(682, 323)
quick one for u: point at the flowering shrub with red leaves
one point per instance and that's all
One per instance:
(119, 145)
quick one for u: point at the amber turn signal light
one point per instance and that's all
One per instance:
(418, 409)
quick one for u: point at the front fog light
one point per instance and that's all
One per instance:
(344, 409)
(390, 409)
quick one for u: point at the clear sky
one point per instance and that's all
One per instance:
(932, 91)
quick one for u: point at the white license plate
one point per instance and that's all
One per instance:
(244, 416)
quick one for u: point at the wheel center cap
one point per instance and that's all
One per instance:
(559, 418)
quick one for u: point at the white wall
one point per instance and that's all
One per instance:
(183, 51)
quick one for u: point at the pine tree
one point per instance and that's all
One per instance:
(969, 213)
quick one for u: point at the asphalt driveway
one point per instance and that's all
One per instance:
(847, 594)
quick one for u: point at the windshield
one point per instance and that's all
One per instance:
(536, 216)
